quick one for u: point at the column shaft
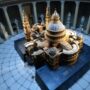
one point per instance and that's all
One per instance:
(76, 14)
(48, 5)
(88, 25)
(20, 11)
(62, 10)
(3, 31)
(8, 21)
(35, 12)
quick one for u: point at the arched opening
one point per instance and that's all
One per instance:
(55, 5)
(69, 8)
(84, 10)
(15, 19)
(41, 10)
(28, 8)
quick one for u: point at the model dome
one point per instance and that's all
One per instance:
(56, 30)
(55, 16)
(55, 25)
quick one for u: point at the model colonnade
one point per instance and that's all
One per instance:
(62, 6)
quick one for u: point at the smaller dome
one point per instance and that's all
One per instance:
(55, 16)
(55, 27)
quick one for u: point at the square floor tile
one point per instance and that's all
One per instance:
(15, 86)
(10, 81)
(83, 83)
(88, 88)
(87, 77)
(22, 88)
(3, 87)
(21, 80)
(27, 83)
(1, 80)
(76, 87)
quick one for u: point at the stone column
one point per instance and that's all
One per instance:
(35, 12)
(88, 25)
(48, 5)
(82, 24)
(62, 10)
(8, 21)
(20, 11)
(76, 14)
(3, 31)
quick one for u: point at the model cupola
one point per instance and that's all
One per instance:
(56, 30)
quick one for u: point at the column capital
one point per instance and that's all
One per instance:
(62, 1)
(77, 2)
(34, 3)
(4, 8)
(19, 5)
(47, 1)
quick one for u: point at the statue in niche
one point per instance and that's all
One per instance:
(42, 18)
(15, 26)
(80, 29)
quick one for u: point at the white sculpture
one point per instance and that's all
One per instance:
(68, 20)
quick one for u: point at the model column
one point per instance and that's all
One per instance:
(62, 10)
(35, 12)
(8, 20)
(76, 14)
(88, 25)
(20, 10)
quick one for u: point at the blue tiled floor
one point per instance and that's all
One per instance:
(16, 75)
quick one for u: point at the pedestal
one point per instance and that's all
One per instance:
(63, 77)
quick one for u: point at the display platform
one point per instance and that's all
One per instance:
(19, 46)
(64, 76)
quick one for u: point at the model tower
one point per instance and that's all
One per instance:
(26, 27)
(47, 17)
